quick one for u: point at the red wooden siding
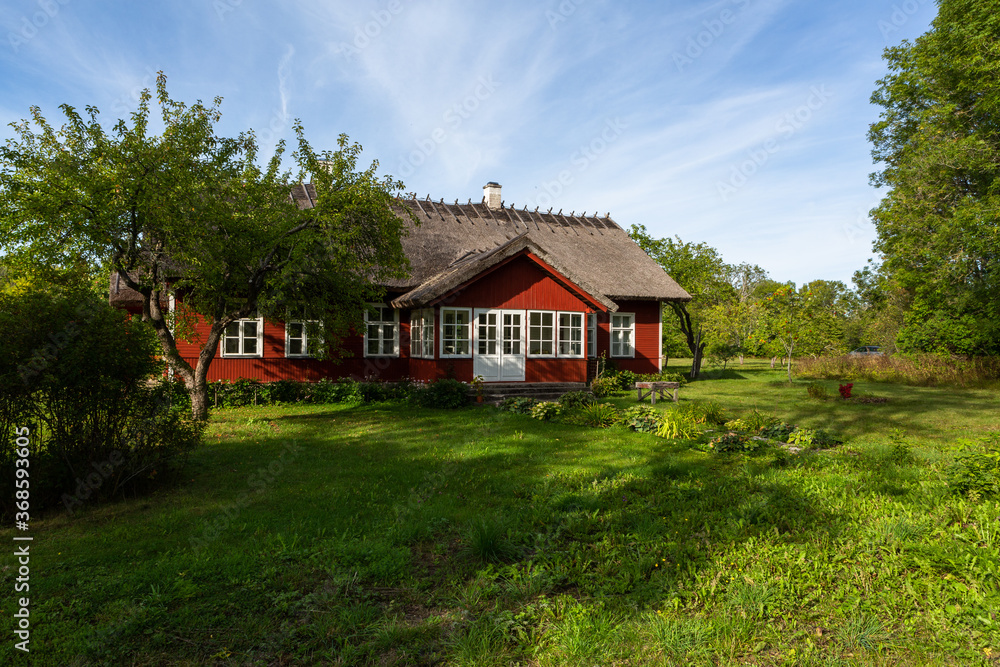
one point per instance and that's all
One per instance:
(519, 285)
(648, 345)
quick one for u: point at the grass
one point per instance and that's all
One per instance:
(395, 536)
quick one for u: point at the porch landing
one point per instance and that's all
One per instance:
(494, 392)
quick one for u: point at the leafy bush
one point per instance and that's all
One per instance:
(677, 424)
(74, 373)
(736, 442)
(600, 415)
(603, 386)
(810, 438)
(664, 376)
(976, 470)
(546, 410)
(443, 394)
(641, 418)
(576, 399)
(756, 420)
(518, 405)
(779, 432)
(845, 390)
(705, 413)
(624, 380)
(817, 391)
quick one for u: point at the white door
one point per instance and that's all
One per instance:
(499, 345)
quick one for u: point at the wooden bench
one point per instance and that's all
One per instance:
(654, 388)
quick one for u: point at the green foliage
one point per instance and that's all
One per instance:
(811, 438)
(623, 380)
(705, 413)
(817, 391)
(678, 425)
(443, 394)
(641, 418)
(936, 142)
(731, 442)
(75, 373)
(603, 386)
(600, 415)
(576, 399)
(778, 432)
(546, 410)
(663, 376)
(976, 470)
(756, 420)
(518, 405)
(922, 370)
(197, 200)
(487, 539)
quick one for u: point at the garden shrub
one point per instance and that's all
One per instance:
(756, 420)
(546, 410)
(779, 432)
(600, 415)
(641, 418)
(677, 424)
(664, 376)
(736, 442)
(576, 399)
(817, 391)
(705, 413)
(603, 386)
(445, 394)
(976, 470)
(518, 405)
(75, 372)
(624, 380)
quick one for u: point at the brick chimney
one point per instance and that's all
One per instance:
(491, 195)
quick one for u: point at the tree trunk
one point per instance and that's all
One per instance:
(789, 367)
(693, 338)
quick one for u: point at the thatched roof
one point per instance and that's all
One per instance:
(455, 242)
(452, 240)
(121, 295)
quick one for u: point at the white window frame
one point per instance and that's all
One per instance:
(554, 326)
(591, 335)
(307, 351)
(617, 350)
(259, 321)
(559, 335)
(422, 334)
(468, 334)
(381, 324)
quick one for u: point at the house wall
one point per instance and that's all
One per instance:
(648, 343)
(518, 285)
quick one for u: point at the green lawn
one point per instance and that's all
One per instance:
(389, 535)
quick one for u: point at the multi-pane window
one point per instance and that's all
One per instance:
(422, 334)
(381, 331)
(570, 334)
(243, 338)
(456, 332)
(622, 335)
(592, 335)
(297, 341)
(541, 334)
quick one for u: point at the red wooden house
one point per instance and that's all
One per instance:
(510, 295)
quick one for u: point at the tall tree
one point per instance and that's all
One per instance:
(938, 142)
(192, 213)
(699, 269)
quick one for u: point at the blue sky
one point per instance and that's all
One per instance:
(739, 123)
